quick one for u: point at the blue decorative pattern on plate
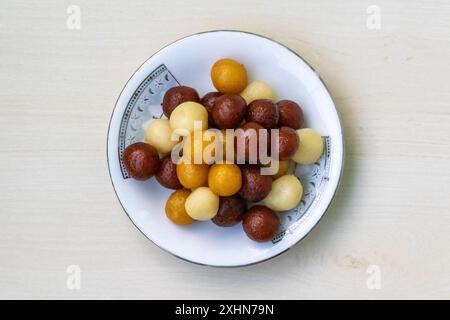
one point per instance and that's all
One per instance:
(144, 105)
(313, 179)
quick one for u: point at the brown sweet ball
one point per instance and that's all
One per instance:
(231, 210)
(251, 131)
(261, 223)
(167, 174)
(229, 111)
(208, 101)
(288, 142)
(141, 160)
(177, 95)
(264, 112)
(290, 114)
(255, 186)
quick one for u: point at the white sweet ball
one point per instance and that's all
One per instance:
(185, 115)
(159, 135)
(310, 148)
(258, 90)
(202, 204)
(286, 193)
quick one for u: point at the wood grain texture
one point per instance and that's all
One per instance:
(58, 208)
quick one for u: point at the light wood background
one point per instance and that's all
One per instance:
(57, 205)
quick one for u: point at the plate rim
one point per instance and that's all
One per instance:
(333, 197)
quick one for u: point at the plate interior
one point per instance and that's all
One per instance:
(188, 62)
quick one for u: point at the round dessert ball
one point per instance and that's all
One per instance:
(251, 134)
(175, 209)
(228, 76)
(286, 193)
(258, 90)
(203, 147)
(186, 114)
(208, 101)
(310, 148)
(159, 135)
(231, 210)
(194, 147)
(202, 204)
(176, 96)
(224, 179)
(290, 114)
(229, 111)
(264, 112)
(288, 142)
(167, 174)
(283, 167)
(260, 223)
(255, 186)
(192, 175)
(141, 160)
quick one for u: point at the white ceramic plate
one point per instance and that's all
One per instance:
(188, 62)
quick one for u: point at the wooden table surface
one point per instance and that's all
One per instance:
(387, 235)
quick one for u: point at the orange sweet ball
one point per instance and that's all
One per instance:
(229, 76)
(225, 179)
(283, 168)
(175, 209)
(191, 175)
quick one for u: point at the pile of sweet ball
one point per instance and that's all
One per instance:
(226, 193)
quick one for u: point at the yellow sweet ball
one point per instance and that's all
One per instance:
(224, 150)
(258, 90)
(310, 148)
(224, 179)
(192, 175)
(228, 76)
(200, 146)
(202, 204)
(159, 135)
(175, 209)
(286, 193)
(187, 114)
